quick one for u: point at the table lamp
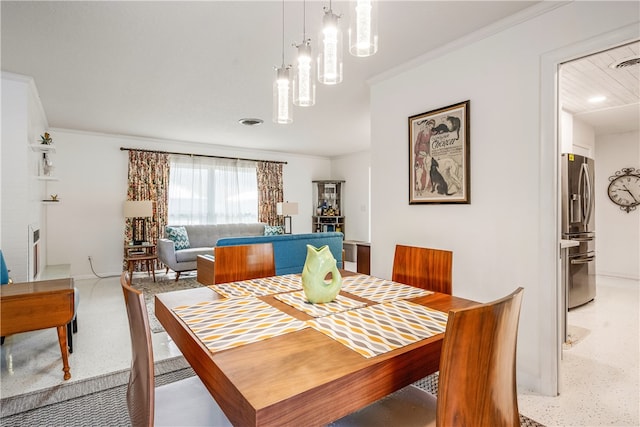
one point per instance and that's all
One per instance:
(139, 210)
(287, 209)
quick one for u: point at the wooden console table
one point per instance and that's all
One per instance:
(44, 304)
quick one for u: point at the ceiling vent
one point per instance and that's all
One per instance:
(250, 121)
(626, 62)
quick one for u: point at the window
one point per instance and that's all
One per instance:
(204, 190)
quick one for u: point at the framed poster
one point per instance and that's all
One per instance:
(439, 156)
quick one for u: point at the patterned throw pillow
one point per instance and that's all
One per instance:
(179, 237)
(273, 230)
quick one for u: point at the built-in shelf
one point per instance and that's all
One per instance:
(51, 202)
(47, 178)
(48, 148)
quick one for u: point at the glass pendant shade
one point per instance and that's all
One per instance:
(363, 27)
(304, 80)
(282, 108)
(330, 57)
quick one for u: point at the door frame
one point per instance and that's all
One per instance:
(550, 191)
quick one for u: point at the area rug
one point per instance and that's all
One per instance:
(102, 401)
(163, 283)
(77, 402)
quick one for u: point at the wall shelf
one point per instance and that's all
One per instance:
(45, 148)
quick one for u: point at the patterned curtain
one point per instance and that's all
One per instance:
(148, 179)
(269, 191)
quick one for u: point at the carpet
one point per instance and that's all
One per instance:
(101, 401)
(94, 401)
(163, 283)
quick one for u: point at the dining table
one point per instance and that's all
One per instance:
(270, 358)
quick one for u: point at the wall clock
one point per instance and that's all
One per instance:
(624, 189)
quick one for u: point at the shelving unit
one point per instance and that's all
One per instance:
(328, 206)
(46, 150)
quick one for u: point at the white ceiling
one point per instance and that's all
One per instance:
(594, 75)
(188, 71)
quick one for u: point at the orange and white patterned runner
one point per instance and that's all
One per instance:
(259, 287)
(380, 328)
(380, 290)
(229, 323)
(299, 301)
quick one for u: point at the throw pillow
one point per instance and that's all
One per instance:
(273, 230)
(179, 237)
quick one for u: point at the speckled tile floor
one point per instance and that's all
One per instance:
(600, 372)
(599, 381)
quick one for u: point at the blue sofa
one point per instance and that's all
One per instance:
(290, 250)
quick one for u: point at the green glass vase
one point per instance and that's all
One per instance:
(318, 264)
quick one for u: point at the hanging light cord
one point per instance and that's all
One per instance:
(304, 21)
(282, 33)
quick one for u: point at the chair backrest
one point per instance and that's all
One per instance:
(423, 268)
(477, 384)
(141, 388)
(4, 271)
(244, 262)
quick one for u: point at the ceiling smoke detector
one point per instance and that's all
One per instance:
(626, 62)
(251, 122)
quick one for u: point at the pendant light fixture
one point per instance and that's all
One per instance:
(330, 57)
(304, 81)
(282, 108)
(363, 27)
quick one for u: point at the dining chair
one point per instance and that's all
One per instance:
(243, 262)
(477, 385)
(423, 267)
(185, 402)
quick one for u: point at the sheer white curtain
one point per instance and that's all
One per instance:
(205, 190)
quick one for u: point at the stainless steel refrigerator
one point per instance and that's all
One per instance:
(578, 223)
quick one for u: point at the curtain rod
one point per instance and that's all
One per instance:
(201, 155)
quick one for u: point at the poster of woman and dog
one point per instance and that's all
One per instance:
(439, 155)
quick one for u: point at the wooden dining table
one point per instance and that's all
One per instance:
(303, 377)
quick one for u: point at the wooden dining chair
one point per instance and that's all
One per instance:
(477, 385)
(181, 403)
(243, 262)
(423, 267)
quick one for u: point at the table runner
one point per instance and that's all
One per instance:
(298, 300)
(380, 328)
(259, 287)
(229, 323)
(380, 290)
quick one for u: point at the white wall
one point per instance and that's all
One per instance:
(500, 240)
(23, 121)
(617, 243)
(584, 139)
(354, 169)
(93, 186)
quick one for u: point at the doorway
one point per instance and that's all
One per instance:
(597, 96)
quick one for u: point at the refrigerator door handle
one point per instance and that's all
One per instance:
(586, 260)
(585, 188)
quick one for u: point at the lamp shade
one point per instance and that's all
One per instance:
(287, 208)
(138, 208)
